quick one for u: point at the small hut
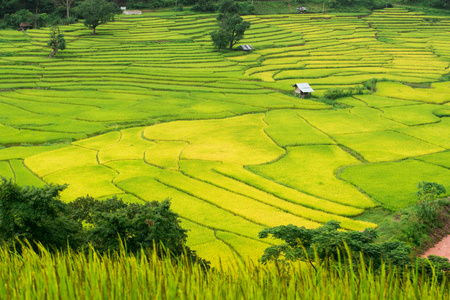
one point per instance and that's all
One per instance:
(302, 89)
(24, 26)
(245, 48)
(132, 12)
(301, 9)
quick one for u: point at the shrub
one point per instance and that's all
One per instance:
(36, 214)
(14, 20)
(205, 6)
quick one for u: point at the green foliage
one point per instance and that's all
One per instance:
(427, 208)
(232, 26)
(204, 6)
(36, 214)
(328, 242)
(417, 224)
(97, 12)
(429, 191)
(56, 42)
(435, 266)
(137, 225)
(21, 16)
(220, 38)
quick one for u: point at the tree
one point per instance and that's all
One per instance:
(328, 242)
(204, 6)
(8, 7)
(427, 208)
(97, 12)
(137, 225)
(36, 214)
(220, 38)
(232, 26)
(236, 27)
(56, 42)
(65, 3)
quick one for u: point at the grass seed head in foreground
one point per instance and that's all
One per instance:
(71, 275)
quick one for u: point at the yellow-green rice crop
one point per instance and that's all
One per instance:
(91, 276)
(398, 189)
(153, 112)
(386, 145)
(312, 169)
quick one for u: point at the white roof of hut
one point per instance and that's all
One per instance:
(246, 47)
(304, 87)
(132, 12)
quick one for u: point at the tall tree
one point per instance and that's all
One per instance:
(64, 3)
(36, 214)
(97, 12)
(232, 26)
(56, 42)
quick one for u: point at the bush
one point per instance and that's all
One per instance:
(14, 20)
(36, 214)
(137, 225)
(328, 242)
(205, 6)
(245, 8)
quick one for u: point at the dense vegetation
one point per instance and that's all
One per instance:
(93, 276)
(36, 216)
(119, 115)
(232, 144)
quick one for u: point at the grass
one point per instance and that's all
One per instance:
(386, 145)
(78, 276)
(397, 190)
(287, 128)
(312, 169)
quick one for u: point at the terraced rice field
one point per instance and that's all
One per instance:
(147, 110)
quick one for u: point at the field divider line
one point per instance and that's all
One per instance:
(424, 141)
(194, 221)
(209, 202)
(341, 169)
(271, 205)
(286, 199)
(270, 138)
(229, 246)
(13, 172)
(344, 148)
(247, 196)
(47, 97)
(227, 231)
(431, 163)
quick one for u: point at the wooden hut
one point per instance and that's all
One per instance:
(132, 12)
(24, 26)
(302, 90)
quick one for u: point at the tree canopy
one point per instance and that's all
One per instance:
(231, 25)
(97, 12)
(56, 42)
(37, 215)
(328, 241)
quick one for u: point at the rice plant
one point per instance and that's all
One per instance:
(70, 275)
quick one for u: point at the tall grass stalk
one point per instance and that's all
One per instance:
(70, 275)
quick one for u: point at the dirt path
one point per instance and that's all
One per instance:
(441, 249)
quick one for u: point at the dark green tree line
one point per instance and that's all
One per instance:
(37, 215)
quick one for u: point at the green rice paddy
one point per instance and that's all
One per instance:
(148, 110)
